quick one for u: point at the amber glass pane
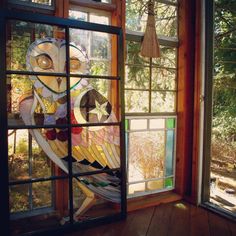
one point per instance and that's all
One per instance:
(95, 148)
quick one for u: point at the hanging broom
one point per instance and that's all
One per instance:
(150, 45)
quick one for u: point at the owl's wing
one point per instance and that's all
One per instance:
(96, 147)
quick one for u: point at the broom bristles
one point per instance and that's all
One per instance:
(150, 45)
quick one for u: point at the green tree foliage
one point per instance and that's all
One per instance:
(224, 108)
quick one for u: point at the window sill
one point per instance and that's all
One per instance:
(151, 200)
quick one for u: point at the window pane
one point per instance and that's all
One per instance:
(169, 152)
(136, 188)
(37, 100)
(169, 182)
(107, 190)
(42, 194)
(137, 77)
(36, 201)
(19, 198)
(155, 184)
(166, 20)
(95, 148)
(157, 123)
(165, 15)
(94, 102)
(133, 54)
(95, 49)
(163, 102)
(138, 124)
(163, 79)
(26, 157)
(168, 58)
(18, 154)
(78, 15)
(146, 155)
(170, 123)
(136, 101)
(32, 47)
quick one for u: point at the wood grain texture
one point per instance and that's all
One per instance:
(218, 225)
(199, 222)
(160, 220)
(185, 97)
(172, 219)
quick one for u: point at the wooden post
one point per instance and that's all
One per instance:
(185, 97)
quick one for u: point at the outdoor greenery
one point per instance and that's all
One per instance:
(224, 112)
(223, 164)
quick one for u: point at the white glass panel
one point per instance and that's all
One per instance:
(138, 124)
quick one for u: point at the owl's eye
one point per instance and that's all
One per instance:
(74, 64)
(44, 61)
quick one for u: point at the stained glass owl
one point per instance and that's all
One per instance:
(93, 147)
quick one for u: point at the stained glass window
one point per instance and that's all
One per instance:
(64, 125)
(151, 154)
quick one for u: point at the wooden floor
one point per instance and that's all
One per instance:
(173, 219)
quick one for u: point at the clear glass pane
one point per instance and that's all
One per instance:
(136, 101)
(38, 206)
(26, 158)
(163, 101)
(78, 15)
(19, 198)
(99, 19)
(133, 54)
(163, 79)
(42, 194)
(37, 100)
(90, 15)
(106, 187)
(168, 58)
(44, 2)
(146, 155)
(33, 47)
(170, 137)
(137, 124)
(137, 77)
(18, 154)
(91, 52)
(34, 155)
(95, 148)
(166, 20)
(165, 15)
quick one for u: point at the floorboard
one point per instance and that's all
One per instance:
(160, 219)
(218, 225)
(172, 219)
(199, 222)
